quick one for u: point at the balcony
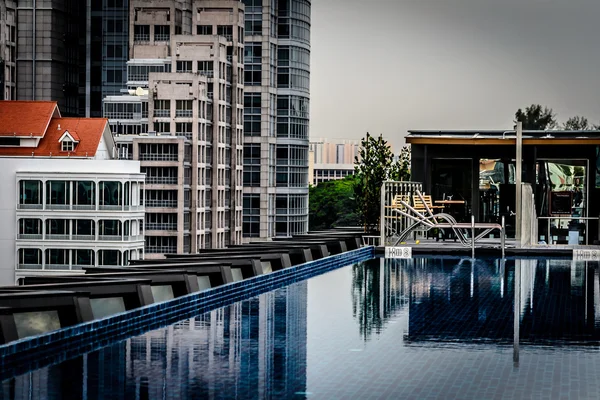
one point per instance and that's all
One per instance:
(30, 206)
(161, 180)
(162, 37)
(187, 135)
(161, 203)
(160, 249)
(29, 266)
(208, 73)
(83, 237)
(57, 266)
(161, 226)
(29, 236)
(110, 238)
(57, 236)
(162, 113)
(158, 157)
(58, 206)
(141, 38)
(83, 207)
(106, 207)
(183, 113)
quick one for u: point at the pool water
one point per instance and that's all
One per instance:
(423, 328)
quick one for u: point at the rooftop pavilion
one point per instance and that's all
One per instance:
(478, 169)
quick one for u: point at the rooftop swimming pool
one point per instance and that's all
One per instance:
(384, 328)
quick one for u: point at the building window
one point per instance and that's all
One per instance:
(57, 193)
(110, 194)
(183, 108)
(109, 257)
(252, 53)
(183, 66)
(206, 68)
(162, 108)
(141, 33)
(251, 219)
(29, 258)
(252, 75)
(162, 33)
(68, 145)
(253, 24)
(225, 30)
(204, 30)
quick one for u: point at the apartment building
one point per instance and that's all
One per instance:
(8, 50)
(67, 202)
(183, 119)
(276, 117)
(331, 159)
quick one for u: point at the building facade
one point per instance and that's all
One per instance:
(331, 160)
(276, 117)
(67, 202)
(183, 121)
(51, 52)
(8, 50)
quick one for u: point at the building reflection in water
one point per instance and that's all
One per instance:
(474, 300)
(251, 349)
(379, 292)
(450, 299)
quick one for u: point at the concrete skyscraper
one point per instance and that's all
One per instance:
(276, 116)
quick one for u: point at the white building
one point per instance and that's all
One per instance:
(66, 202)
(332, 159)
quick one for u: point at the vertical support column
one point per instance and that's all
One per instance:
(475, 188)
(382, 227)
(517, 312)
(97, 195)
(518, 179)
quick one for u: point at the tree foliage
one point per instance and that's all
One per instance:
(536, 118)
(400, 169)
(577, 123)
(371, 168)
(332, 204)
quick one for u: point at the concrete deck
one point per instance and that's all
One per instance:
(488, 247)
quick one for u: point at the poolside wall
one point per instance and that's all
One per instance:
(37, 351)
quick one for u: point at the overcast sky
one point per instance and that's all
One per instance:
(387, 66)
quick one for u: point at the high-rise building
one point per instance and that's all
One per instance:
(51, 55)
(8, 50)
(276, 116)
(73, 52)
(107, 52)
(183, 120)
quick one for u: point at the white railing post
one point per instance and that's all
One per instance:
(472, 236)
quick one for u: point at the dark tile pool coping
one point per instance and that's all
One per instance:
(54, 347)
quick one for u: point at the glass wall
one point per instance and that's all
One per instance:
(30, 194)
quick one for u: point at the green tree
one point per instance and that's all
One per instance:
(577, 123)
(400, 170)
(536, 118)
(332, 204)
(371, 168)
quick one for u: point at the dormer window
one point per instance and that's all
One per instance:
(68, 145)
(68, 141)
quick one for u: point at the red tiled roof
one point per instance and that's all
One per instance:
(26, 118)
(87, 130)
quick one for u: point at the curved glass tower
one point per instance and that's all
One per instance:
(276, 117)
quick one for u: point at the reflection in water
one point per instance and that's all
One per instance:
(475, 300)
(258, 348)
(250, 349)
(377, 293)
